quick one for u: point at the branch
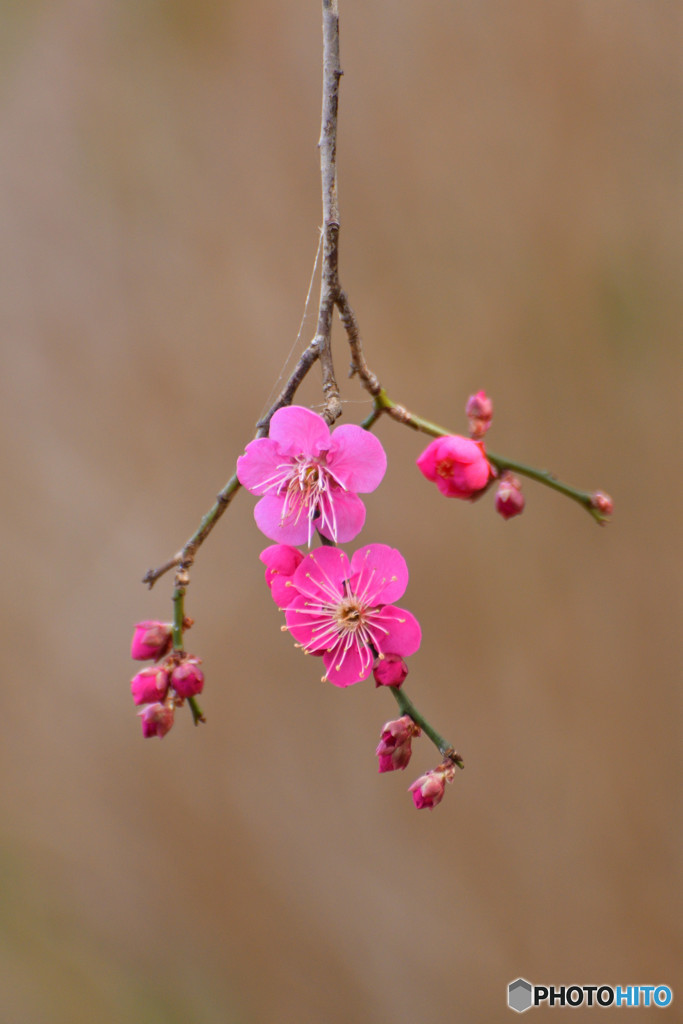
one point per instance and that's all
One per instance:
(407, 707)
(321, 346)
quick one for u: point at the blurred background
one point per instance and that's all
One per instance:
(510, 181)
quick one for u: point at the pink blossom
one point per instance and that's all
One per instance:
(187, 679)
(457, 465)
(151, 640)
(479, 411)
(281, 561)
(429, 789)
(344, 612)
(389, 670)
(149, 685)
(157, 720)
(394, 749)
(309, 477)
(509, 498)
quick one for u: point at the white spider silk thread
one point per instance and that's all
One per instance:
(297, 340)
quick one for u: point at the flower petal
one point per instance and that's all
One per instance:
(321, 575)
(341, 513)
(344, 668)
(395, 631)
(379, 574)
(299, 431)
(356, 458)
(261, 462)
(280, 558)
(307, 627)
(268, 516)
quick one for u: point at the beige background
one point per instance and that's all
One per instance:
(510, 184)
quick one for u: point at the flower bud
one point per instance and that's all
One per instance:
(281, 562)
(149, 685)
(603, 503)
(457, 465)
(428, 790)
(394, 749)
(151, 640)
(157, 720)
(479, 410)
(509, 498)
(187, 679)
(389, 670)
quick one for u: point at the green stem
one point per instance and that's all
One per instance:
(382, 404)
(178, 628)
(407, 707)
(178, 617)
(544, 476)
(197, 715)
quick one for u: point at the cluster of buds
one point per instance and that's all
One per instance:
(162, 687)
(394, 752)
(459, 466)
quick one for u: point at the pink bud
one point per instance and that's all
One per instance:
(389, 670)
(509, 497)
(428, 790)
(151, 640)
(603, 503)
(479, 411)
(157, 720)
(281, 562)
(394, 749)
(149, 685)
(457, 465)
(187, 679)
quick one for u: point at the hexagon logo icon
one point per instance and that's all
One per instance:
(519, 995)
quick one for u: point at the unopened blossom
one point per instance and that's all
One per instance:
(187, 679)
(151, 640)
(394, 748)
(389, 670)
(157, 720)
(429, 789)
(149, 685)
(309, 478)
(603, 503)
(281, 562)
(344, 613)
(457, 465)
(479, 410)
(509, 499)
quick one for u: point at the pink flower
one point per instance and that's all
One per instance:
(149, 685)
(187, 679)
(509, 498)
(479, 411)
(151, 640)
(157, 720)
(457, 465)
(309, 477)
(281, 561)
(394, 750)
(345, 614)
(389, 670)
(429, 789)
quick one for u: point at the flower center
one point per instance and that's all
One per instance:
(445, 468)
(349, 615)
